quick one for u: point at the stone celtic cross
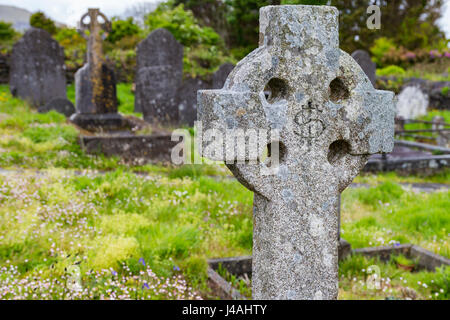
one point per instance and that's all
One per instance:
(95, 28)
(329, 118)
(96, 82)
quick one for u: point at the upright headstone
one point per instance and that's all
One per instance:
(326, 119)
(187, 95)
(95, 83)
(412, 103)
(159, 76)
(187, 99)
(37, 71)
(366, 63)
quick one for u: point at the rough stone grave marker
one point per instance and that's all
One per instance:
(362, 57)
(158, 77)
(95, 83)
(187, 99)
(329, 120)
(37, 72)
(412, 102)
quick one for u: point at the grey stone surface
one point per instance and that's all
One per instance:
(60, 105)
(89, 103)
(369, 67)
(155, 148)
(443, 138)
(241, 266)
(156, 94)
(330, 120)
(427, 259)
(412, 103)
(423, 146)
(106, 122)
(162, 95)
(238, 266)
(420, 165)
(384, 253)
(438, 99)
(409, 157)
(37, 72)
(187, 100)
(159, 76)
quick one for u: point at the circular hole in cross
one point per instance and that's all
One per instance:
(338, 90)
(86, 20)
(274, 153)
(338, 150)
(276, 89)
(100, 20)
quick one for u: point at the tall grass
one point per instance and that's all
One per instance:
(388, 214)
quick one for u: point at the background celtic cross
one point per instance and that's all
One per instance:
(101, 92)
(94, 26)
(329, 118)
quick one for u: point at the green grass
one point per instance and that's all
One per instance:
(114, 221)
(388, 214)
(42, 141)
(357, 281)
(242, 284)
(32, 140)
(442, 177)
(123, 234)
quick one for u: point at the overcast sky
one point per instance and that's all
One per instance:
(70, 11)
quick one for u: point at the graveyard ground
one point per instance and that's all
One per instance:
(147, 231)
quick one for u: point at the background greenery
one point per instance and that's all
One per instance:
(215, 31)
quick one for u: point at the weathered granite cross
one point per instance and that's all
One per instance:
(330, 119)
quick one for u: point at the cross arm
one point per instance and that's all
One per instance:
(225, 114)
